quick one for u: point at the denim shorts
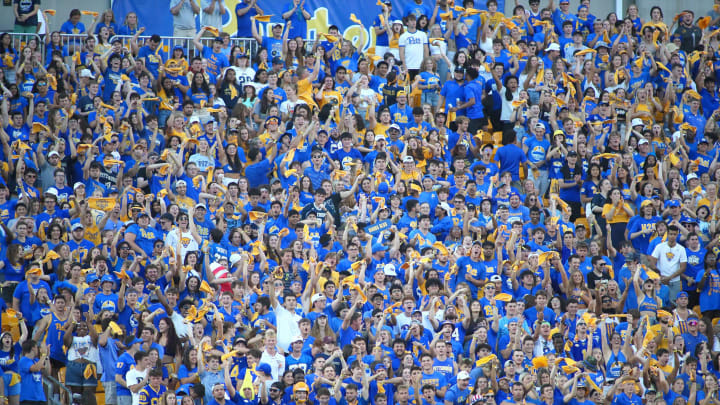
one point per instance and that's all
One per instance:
(74, 375)
(430, 98)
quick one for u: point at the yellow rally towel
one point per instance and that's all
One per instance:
(485, 360)
(102, 203)
(38, 127)
(205, 287)
(115, 328)
(90, 371)
(504, 297)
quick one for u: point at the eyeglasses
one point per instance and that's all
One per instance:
(274, 390)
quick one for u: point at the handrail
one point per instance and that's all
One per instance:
(54, 390)
(19, 40)
(168, 43)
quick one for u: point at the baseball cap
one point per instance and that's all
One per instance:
(77, 185)
(317, 297)
(134, 342)
(234, 258)
(265, 368)
(459, 69)
(637, 122)
(389, 270)
(495, 278)
(77, 225)
(553, 47)
(463, 375)
(394, 126)
(86, 73)
(600, 44)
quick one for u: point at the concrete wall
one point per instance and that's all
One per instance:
(63, 7)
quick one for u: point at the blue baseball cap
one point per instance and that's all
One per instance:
(265, 368)
(378, 248)
(91, 277)
(681, 294)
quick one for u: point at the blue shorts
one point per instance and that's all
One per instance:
(14, 389)
(430, 97)
(74, 375)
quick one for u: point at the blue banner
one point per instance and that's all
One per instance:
(376, 228)
(155, 15)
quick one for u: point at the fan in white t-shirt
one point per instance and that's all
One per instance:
(413, 47)
(137, 377)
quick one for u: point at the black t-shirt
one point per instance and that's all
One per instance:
(26, 7)
(593, 279)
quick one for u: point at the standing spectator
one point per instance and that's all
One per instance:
(298, 13)
(73, 25)
(245, 11)
(669, 259)
(212, 13)
(183, 12)
(26, 15)
(413, 47)
(690, 34)
(381, 26)
(418, 9)
(273, 44)
(216, 60)
(31, 371)
(107, 19)
(473, 95)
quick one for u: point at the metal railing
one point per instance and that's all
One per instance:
(20, 41)
(168, 43)
(55, 392)
(75, 43)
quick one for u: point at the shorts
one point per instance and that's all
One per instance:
(74, 375)
(110, 392)
(11, 390)
(124, 400)
(430, 97)
(25, 29)
(57, 364)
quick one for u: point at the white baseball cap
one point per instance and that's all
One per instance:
(552, 47)
(86, 73)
